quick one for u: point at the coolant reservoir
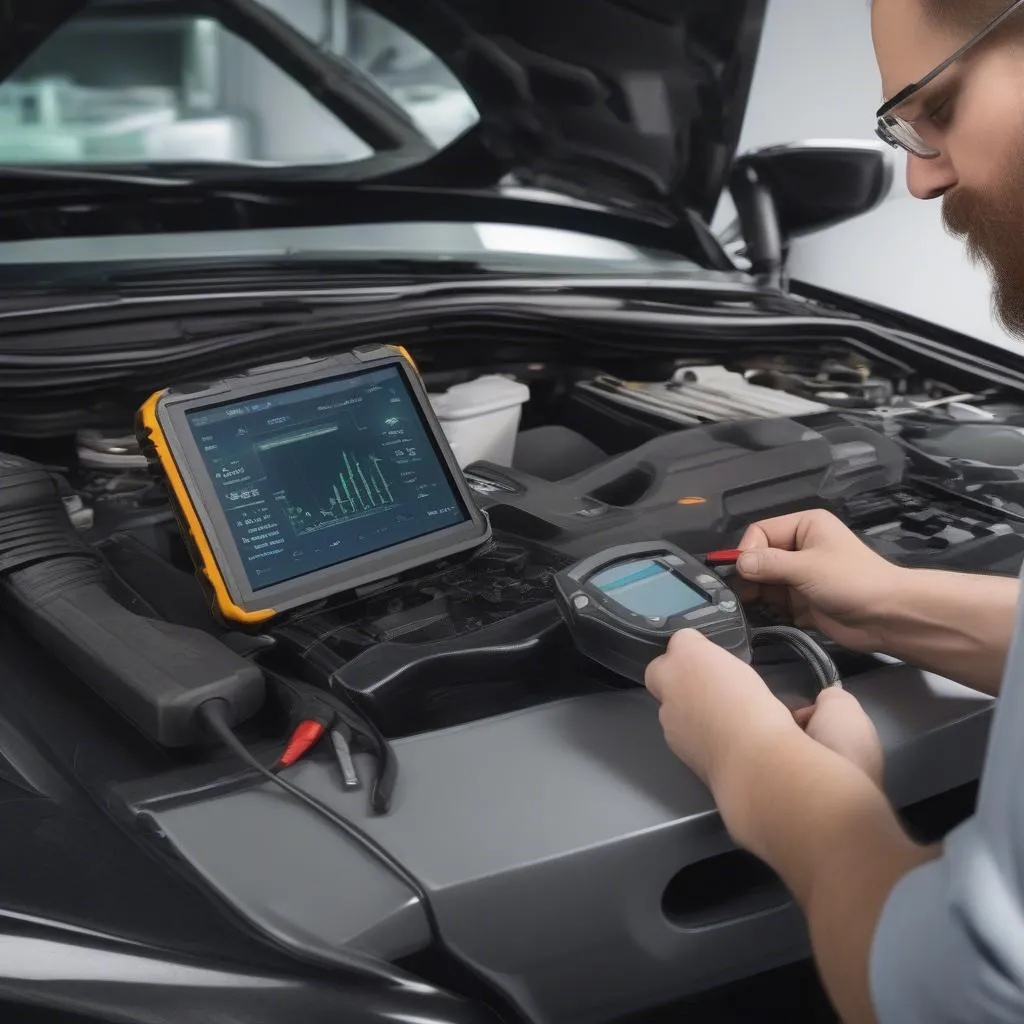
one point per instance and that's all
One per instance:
(481, 418)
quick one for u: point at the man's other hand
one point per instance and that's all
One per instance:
(837, 721)
(713, 706)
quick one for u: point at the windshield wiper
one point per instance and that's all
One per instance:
(35, 175)
(61, 185)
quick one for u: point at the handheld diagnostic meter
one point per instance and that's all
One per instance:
(298, 481)
(623, 605)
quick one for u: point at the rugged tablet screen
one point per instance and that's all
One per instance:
(301, 481)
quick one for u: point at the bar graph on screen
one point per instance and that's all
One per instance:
(322, 486)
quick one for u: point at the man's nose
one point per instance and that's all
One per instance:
(929, 179)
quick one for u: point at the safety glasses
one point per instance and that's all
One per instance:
(900, 133)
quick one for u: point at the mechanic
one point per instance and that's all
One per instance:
(901, 933)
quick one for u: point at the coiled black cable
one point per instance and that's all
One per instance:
(820, 662)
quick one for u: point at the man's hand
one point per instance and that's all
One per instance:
(816, 570)
(837, 721)
(713, 706)
(812, 814)
(810, 566)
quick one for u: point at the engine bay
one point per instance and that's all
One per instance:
(926, 474)
(521, 764)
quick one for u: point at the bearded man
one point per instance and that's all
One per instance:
(902, 933)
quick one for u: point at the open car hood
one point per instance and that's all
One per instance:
(628, 104)
(635, 103)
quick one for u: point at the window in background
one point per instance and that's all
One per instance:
(121, 89)
(108, 88)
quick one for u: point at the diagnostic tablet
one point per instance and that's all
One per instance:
(302, 480)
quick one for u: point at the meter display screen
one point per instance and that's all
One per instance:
(316, 475)
(648, 588)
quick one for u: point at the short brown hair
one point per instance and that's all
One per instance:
(967, 15)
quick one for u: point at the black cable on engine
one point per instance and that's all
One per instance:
(214, 714)
(817, 658)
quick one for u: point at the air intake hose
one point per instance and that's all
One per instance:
(155, 673)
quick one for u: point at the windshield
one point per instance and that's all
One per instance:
(146, 83)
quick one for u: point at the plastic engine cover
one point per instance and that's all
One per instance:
(694, 488)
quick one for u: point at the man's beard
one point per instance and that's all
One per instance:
(993, 226)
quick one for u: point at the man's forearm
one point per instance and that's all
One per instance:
(831, 836)
(953, 623)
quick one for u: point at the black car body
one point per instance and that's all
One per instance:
(568, 869)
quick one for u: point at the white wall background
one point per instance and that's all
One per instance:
(816, 78)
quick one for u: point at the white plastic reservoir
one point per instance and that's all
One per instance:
(481, 418)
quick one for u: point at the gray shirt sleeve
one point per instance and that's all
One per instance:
(949, 946)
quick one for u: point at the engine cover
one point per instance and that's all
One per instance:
(694, 488)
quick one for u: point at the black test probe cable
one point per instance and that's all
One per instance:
(814, 655)
(215, 715)
(817, 658)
